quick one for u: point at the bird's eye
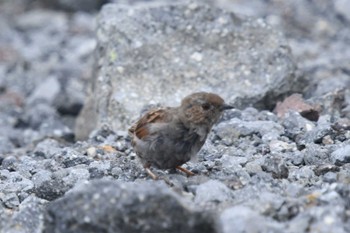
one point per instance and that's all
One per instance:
(206, 106)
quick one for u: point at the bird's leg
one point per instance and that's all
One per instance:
(150, 173)
(188, 173)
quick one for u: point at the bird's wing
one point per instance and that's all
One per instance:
(141, 128)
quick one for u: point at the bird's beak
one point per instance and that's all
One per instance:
(226, 107)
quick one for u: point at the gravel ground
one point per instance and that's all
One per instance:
(261, 170)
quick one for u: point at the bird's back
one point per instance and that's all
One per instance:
(162, 140)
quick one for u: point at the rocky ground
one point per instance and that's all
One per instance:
(280, 165)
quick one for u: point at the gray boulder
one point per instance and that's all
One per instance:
(157, 53)
(28, 218)
(109, 206)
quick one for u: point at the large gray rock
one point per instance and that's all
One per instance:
(160, 52)
(29, 217)
(109, 206)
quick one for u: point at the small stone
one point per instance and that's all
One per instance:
(341, 156)
(10, 200)
(75, 160)
(253, 167)
(213, 191)
(99, 169)
(297, 158)
(324, 168)
(276, 166)
(47, 148)
(51, 189)
(40, 177)
(344, 174)
(76, 175)
(280, 146)
(330, 177)
(327, 140)
(9, 163)
(343, 8)
(116, 172)
(303, 175)
(197, 56)
(315, 155)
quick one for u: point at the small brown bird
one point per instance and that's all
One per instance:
(168, 137)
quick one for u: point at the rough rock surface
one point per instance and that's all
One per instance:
(257, 171)
(159, 53)
(109, 206)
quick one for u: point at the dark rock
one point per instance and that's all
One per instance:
(130, 50)
(77, 5)
(76, 160)
(99, 169)
(95, 173)
(51, 189)
(324, 168)
(276, 166)
(124, 207)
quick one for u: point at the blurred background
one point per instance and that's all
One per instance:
(281, 172)
(47, 47)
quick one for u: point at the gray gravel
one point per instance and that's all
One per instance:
(257, 172)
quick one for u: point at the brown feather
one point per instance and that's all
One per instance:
(140, 128)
